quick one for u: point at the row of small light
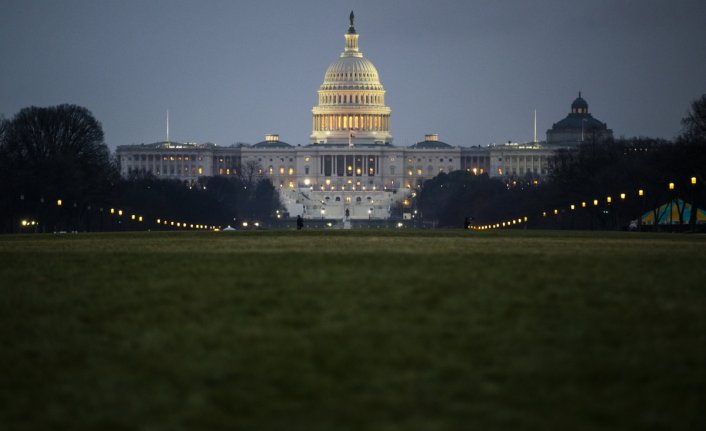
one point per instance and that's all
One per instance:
(503, 224)
(136, 217)
(609, 199)
(185, 225)
(168, 223)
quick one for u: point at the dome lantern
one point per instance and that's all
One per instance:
(579, 106)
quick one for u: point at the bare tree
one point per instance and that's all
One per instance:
(55, 152)
(695, 121)
(250, 173)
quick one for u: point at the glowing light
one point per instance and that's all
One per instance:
(556, 212)
(544, 213)
(693, 180)
(595, 202)
(622, 196)
(671, 186)
(573, 207)
(640, 192)
(525, 219)
(583, 204)
(159, 221)
(120, 213)
(132, 217)
(609, 199)
(58, 202)
(307, 181)
(112, 210)
(139, 219)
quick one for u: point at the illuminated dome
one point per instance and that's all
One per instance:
(351, 105)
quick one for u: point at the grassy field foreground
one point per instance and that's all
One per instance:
(442, 330)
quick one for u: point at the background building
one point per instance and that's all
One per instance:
(349, 165)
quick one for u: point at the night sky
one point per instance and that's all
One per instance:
(472, 71)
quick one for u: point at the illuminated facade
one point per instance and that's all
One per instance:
(349, 165)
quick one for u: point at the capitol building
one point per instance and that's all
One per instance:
(350, 166)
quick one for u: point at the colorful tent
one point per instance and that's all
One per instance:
(674, 212)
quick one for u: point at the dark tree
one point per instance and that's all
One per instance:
(54, 153)
(265, 199)
(695, 121)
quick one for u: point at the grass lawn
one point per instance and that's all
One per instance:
(334, 330)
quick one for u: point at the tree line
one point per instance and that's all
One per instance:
(57, 174)
(592, 171)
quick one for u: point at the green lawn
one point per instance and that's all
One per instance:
(334, 330)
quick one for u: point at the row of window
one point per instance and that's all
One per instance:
(155, 157)
(430, 170)
(350, 99)
(419, 160)
(354, 75)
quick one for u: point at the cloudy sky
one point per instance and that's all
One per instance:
(471, 70)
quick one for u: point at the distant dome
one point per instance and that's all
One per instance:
(431, 142)
(578, 127)
(272, 141)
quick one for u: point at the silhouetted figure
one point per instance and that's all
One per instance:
(467, 223)
(300, 222)
(348, 213)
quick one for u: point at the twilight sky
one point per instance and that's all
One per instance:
(472, 71)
